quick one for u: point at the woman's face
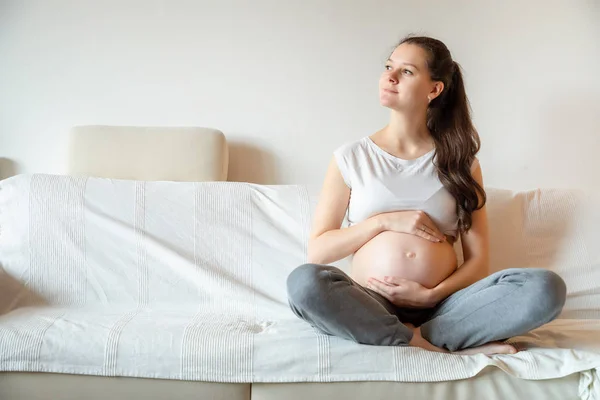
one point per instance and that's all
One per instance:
(405, 83)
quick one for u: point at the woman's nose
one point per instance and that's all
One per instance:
(392, 79)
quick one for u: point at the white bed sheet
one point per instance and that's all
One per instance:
(187, 281)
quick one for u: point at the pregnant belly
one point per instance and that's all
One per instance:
(406, 256)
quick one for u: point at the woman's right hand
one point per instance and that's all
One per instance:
(415, 222)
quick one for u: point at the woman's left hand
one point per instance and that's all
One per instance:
(402, 292)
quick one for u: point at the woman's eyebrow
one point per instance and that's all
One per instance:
(412, 65)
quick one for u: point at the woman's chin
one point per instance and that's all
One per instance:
(387, 103)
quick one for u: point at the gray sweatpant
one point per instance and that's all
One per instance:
(504, 304)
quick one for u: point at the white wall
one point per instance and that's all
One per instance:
(289, 80)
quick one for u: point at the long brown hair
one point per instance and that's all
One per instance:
(449, 121)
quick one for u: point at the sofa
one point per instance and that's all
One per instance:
(150, 282)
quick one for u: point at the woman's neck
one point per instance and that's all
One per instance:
(407, 133)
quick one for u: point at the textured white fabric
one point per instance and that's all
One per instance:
(187, 281)
(381, 182)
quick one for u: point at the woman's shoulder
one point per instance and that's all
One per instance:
(349, 156)
(350, 148)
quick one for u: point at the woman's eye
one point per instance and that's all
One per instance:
(408, 72)
(388, 67)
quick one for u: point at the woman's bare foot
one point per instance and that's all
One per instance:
(489, 349)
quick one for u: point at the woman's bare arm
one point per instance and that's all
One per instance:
(328, 242)
(475, 245)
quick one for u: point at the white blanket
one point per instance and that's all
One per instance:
(187, 281)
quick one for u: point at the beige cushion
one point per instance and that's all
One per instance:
(50, 386)
(148, 153)
(490, 384)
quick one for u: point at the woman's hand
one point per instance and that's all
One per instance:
(415, 222)
(403, 292)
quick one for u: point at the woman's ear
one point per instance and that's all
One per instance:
(436, 90)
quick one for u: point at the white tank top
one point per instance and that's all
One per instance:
(380, 182)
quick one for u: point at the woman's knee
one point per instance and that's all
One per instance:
(548, 292)
(307, 282)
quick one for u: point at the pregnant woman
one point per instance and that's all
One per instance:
(410, 190)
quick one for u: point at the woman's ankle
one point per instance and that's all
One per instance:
(418, 341)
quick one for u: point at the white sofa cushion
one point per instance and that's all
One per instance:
(557, 229)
